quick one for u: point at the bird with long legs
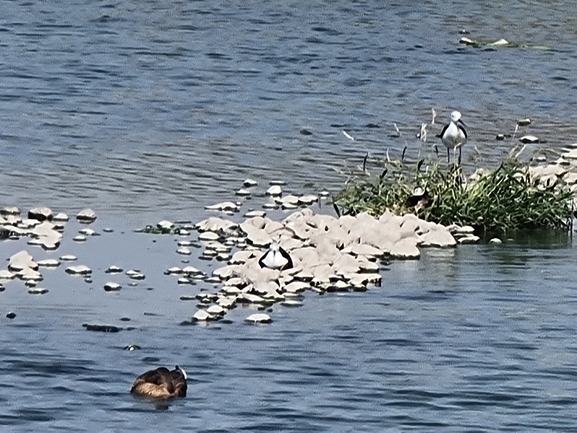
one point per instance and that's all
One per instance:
(454, 135)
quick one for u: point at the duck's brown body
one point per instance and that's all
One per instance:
(161, 383)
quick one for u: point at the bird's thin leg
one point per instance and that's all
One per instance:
(448, 156)
(459, 156)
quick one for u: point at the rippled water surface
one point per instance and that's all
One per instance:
(153, 109)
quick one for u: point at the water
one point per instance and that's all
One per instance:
(147, 110)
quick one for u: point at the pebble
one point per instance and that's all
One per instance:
(112, 287)
(258, 318)
(529, 139)
(10, 315)
(86, 215)
(184, 251)
(495, 241)
(202, 316)
(79, 238)
(274, 190)
(49, 263)
(37, 291)
(68, 258)
(78, 270)
(113, 270)
(41, 213)
(249, 183)
(243, 192)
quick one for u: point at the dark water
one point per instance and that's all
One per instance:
(145, 110)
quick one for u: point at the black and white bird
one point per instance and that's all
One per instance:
(454, 135)
(276, 258)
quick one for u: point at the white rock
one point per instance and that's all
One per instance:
(62, 217)
(22, 260)
(208, 236)
(79, 270)
(274, 190)
(184, 251)
(215, 310)
(495, 241)
(202, 316)
(243, 192)
(249, 183)
(224, 206)
(112, 287)
(68, 258)
(86, 215)
(529, 139)
(258, 318)
(49, 263)
(37, 291)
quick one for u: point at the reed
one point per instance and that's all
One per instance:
(505, 199)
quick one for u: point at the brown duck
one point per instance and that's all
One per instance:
(161, 384)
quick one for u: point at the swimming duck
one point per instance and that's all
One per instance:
(161, 383)
(276, 258)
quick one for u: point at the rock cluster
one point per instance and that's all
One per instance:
(329, 254)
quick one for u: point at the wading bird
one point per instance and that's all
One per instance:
(454, 135)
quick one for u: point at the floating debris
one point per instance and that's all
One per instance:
(10, 315)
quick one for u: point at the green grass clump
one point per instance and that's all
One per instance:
(505, 199)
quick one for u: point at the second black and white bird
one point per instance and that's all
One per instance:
(276, 258)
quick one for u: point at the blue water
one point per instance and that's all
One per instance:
(145, 110)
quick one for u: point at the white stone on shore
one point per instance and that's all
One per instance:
(191, 270)
(208, 236)
(87, 231)
(184, 251)
(202, 316)
(249, 183)
(216, 310)
(243, 192)
(22, 261)
(40, 213)
(68, 258)
(79, 238)
(10, 210)
(5, 274)
(86, 215)
(258, 318)
(61, 217)
(37, 291)
(78, 270)
(215, 224)
(224, 206)
(274, 190)
(469, 239)
(46, 236)
(112, 287)
(165, 225)
(113, 270)
(529, 139)
(255, 213)
(495, 241)
(308, 199)
(49, 263)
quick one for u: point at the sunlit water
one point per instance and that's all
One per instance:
(145, 110)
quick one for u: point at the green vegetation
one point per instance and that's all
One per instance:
(503, 200)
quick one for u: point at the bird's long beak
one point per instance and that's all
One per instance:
(461, 122)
